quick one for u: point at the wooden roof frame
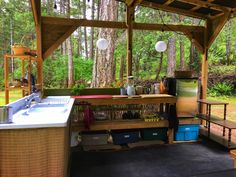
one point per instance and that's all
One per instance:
(52, 31)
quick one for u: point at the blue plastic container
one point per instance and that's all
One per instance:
(125, 136)
(187, 133)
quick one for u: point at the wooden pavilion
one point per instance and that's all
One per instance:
(53, 31)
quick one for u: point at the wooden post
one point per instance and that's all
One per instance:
(204, 78)
(129, 23)
(36, 4)
(6, 70)
(23, 75)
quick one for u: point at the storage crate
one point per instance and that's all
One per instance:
(125, 136)
(94, 137)
(187, 132)
(154, 134)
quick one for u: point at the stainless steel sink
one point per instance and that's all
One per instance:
(46, 108)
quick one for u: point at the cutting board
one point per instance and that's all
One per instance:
(154, 95)
(120, 96)
(92, 96)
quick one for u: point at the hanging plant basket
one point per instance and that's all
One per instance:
(19, 49)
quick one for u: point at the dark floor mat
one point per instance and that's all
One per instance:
(177, 160)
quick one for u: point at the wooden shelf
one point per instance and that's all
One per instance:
(217, 137)
(162, 98)
(24, 59)
(120, 124)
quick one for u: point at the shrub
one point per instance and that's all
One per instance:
(221, 89)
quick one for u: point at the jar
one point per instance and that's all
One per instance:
(130, 87)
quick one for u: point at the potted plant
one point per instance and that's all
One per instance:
(20, 48)
(77, 89)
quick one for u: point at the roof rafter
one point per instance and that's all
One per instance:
(206, 4)
(173, 10)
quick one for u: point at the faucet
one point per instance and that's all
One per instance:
(33, 97)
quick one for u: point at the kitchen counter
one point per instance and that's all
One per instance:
(37, 142)
(49, 113)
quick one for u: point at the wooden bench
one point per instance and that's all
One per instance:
(226, 124)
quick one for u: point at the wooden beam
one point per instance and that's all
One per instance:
(129, 23)
(36, 9)
(195, 8)
(168, 2)
(198, 39)
(173, 10)
(132, 3)
(161, 27)
(119, 25)
(214, 27)
(129, 2)
(83, 22)
(59, 41)
(206, 4)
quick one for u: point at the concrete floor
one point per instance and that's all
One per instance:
(176, 160)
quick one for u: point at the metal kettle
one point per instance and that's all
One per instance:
(6, 113)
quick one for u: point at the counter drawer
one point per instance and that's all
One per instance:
(94, 137)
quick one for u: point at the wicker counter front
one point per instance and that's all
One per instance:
(40, 152)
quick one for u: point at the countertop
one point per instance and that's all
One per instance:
(49, 119)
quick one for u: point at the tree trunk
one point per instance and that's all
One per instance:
(70, 64)
(94, 77)
(105, 61)
(228, 42)
(63, 11)
(85, 30)
(79, 37)
(122, 63)
(70, 55)
(91, 51)
(171, 57)
(160, 66)
(194, 61)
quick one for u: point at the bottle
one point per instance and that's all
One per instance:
(162, 87)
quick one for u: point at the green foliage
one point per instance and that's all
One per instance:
(76, 89)
(55, 70)
(220, 89)
(83, 68)
(222, 70)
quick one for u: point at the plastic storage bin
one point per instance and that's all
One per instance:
(154, 134)
(187, 132)
(125, 136)
(94, 138)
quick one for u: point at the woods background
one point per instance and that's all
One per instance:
(79, 62)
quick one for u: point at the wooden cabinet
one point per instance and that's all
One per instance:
(26, 61)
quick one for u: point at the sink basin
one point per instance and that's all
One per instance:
(46, 109)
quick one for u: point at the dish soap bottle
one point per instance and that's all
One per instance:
(162, 87)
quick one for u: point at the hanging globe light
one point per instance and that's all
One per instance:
(102, 44)
(161, 46)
